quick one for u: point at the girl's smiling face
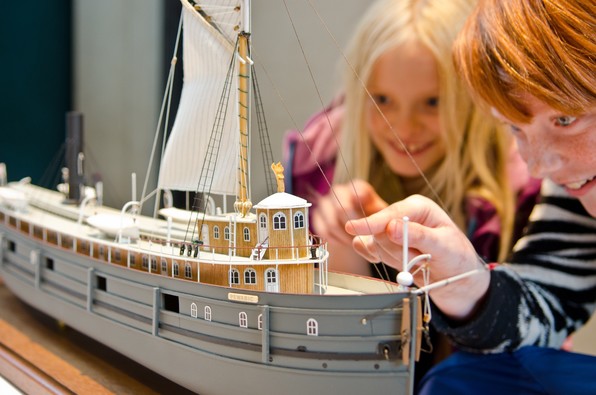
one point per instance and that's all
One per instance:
(560, 147)
(404, 84)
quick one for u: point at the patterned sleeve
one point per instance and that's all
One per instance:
(546, 292)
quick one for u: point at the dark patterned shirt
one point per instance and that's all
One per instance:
(547, 291)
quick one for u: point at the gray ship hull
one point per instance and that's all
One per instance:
(151, 319)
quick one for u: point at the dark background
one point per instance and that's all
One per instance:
(36, 85)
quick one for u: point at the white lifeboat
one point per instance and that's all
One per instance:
(12, 198)
(116, 225)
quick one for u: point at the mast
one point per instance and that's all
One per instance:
(243, 203)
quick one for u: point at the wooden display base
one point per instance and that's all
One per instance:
(34, 370)
(40, 356)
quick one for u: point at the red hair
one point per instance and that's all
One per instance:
(545, 48)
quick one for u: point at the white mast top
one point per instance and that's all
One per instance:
(246, 16)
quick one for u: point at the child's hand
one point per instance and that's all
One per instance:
(345, 202)
(380, 237)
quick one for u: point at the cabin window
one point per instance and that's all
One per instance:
(171, 303)
(67, 242)
(24, 227)
(279, 221)
(243, 320)
(37, 232)
(260, 322)
(52, 237)
(153, 265)
(102, 252)
(271, 284)
(102, 283)
(312, 327)
(298, 220)
(187, 270)
(176, 268)
(145, 262)
(250, 276)
(234, 276)
(50, 263)
(207, 313)
(164, 266)
(263, 221)
(12, 247)
(246, 232)
(193, 310)
(216, 232)
(84, 247)
(271, 276)
(227, 233)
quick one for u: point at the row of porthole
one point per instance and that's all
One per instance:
(312, 326)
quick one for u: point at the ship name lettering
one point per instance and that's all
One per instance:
(243, 298)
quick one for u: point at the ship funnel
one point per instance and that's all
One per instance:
(74, 152)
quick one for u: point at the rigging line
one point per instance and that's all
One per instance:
(168, 94)
(449, 280)
(264, 138)
(340, 154)
(91, 160)
(200, 9)
(167, 98)
(208, 167)
(170, 85)
(294, 122)
(214, 145)
(50, 174)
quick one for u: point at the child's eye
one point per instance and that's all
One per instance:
(513, 129)
(432, 102)
(564, 120)
(381, 99)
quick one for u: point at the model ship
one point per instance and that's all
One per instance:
(219, 302)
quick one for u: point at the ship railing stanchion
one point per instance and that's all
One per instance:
(34, 258)
(90, 288)
(265, 335)
(155, 325)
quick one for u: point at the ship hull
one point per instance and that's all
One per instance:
(151, 319)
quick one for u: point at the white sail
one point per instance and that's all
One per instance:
(208, 47)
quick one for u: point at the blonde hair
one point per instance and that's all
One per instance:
(543, 48)
(476, 153)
